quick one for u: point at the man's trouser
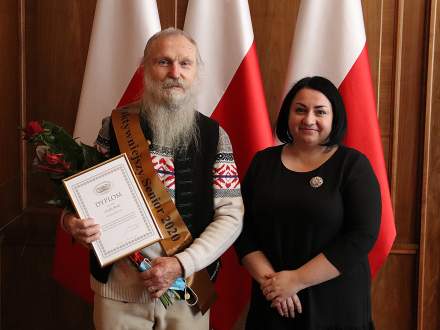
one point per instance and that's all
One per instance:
(111, 314)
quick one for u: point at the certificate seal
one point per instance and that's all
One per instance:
(316, 182)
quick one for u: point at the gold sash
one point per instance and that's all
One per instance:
(131, 140)
(176, 235)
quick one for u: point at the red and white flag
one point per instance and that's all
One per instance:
(119, 35)
(330, 41)
(112, 77)
(231, 93)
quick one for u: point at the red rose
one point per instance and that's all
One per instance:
(54, 159)
(33, 128)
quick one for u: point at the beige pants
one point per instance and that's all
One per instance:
(111, 314)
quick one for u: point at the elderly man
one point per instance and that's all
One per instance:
(188, 151)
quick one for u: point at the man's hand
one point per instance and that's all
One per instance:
(84, 231)
(164, 271)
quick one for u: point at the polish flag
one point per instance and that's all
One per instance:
(119, 35)
(231, 93)
(330, 41)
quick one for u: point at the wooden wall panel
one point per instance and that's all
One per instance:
(274, 24)
(57, 34)
(33, 299)
(396, 288)
(10, 176)
(57, 41)
(172, 13)
(386, 78)
(429, 273)
(380, 25)
(406, 179)
(10, 112)
(166, 10)
(373, 10)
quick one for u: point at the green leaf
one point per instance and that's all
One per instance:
(76, 157)
(60, 141)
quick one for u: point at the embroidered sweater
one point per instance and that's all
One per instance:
(123, 283)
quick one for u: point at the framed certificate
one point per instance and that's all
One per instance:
(110, 194)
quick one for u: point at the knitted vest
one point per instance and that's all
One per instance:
(194, 197)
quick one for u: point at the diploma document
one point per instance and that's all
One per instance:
(110, 194)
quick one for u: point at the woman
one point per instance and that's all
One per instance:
(312, 213)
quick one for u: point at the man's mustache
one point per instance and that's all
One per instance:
(170, 83)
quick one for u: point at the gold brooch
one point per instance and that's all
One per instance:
(316, 182)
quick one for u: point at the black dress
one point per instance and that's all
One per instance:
(291, 222)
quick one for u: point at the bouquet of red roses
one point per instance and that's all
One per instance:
(59, 155)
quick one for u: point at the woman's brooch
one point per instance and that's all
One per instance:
(316, 182)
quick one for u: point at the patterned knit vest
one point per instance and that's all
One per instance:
(194, 197)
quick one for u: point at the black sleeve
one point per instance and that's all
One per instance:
(114, 147)
(362, 212)
(246, 242)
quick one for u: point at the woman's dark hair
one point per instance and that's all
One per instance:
(326, 87)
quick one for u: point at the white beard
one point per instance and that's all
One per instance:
(171, 113)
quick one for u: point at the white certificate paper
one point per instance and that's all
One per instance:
(110, 194)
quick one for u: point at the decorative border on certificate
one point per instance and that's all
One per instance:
(110, 194)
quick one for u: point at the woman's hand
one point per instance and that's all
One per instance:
(281, 285)
(286, 308)
(84, 231)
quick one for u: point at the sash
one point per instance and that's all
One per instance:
(131, 140)
(176, 235)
